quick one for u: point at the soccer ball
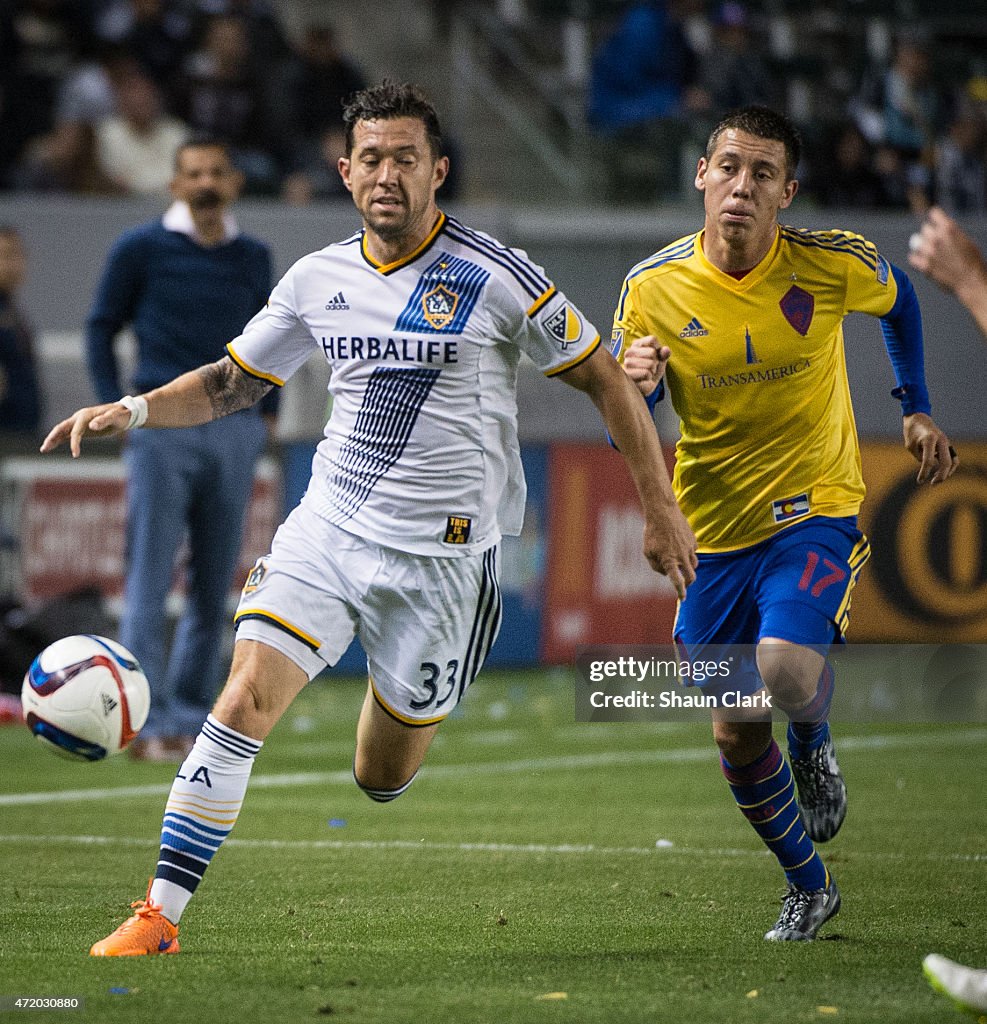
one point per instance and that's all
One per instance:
(85, 697)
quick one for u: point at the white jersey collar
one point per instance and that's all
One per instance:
(178, 217)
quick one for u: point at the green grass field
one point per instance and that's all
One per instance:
(517, 880)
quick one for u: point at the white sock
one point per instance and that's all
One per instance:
(202, 808)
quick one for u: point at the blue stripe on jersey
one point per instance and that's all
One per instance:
(838, 243)
(847, 245)
(525, 273)
(679, 251)
(486, 622)
(458, 277)
(837, 239)
(391, 404)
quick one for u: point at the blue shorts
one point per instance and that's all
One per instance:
(795, 586)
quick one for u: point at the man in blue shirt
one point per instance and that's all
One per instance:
(186, 284)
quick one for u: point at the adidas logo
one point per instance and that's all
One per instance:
(693, 329)
(337, 302)
(108, 703)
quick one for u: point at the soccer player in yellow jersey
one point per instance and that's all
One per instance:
(744, 321)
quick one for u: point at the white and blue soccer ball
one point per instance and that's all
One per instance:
(85, 697)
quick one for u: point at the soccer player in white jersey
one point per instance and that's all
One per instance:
(422, 321)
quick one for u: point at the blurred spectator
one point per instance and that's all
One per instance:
(268, 45)
(642, 71)
(900, 109)
(222, 97)
(64, 160)
(8, 60)
(88, 93)
(308, 96)
(844, 174)
(46, 38)
(319, 179)
(734, 73)
(136, 147)
(20, 396)
(960, 176)
(157, 33)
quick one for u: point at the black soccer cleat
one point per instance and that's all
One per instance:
(822, 792)
(804, 912)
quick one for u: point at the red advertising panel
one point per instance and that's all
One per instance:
(72, 524)
(599, 587)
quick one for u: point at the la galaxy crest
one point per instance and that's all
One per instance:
(439, 306)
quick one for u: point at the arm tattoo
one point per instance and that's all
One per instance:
(229, 388)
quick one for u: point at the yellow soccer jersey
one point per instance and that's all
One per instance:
(758, 377)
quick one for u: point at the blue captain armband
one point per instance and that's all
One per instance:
(902, 330)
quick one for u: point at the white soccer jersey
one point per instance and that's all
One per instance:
(421, 451)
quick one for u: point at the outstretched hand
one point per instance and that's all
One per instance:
(930, 446)
(645, 362)
(93, 421)
(670, 548)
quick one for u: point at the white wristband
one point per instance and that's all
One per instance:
(138, 411)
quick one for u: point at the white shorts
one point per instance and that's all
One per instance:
(426, 623)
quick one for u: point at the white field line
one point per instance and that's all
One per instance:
(598, 759)
(537, 849)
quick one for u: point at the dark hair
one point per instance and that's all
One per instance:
(9, 231)
(764, 123)
(389, 100)
(201, 141)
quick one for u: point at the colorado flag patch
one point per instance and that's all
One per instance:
(790, 508)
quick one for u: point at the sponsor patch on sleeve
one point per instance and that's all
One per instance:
(883, 269)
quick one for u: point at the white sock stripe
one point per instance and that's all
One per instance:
(169, 830)
(185, 853)
(175, 867)
(232, 740)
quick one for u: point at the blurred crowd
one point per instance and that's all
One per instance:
(96, 95)
(892, 119)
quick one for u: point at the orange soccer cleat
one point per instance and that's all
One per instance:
(147, 932)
